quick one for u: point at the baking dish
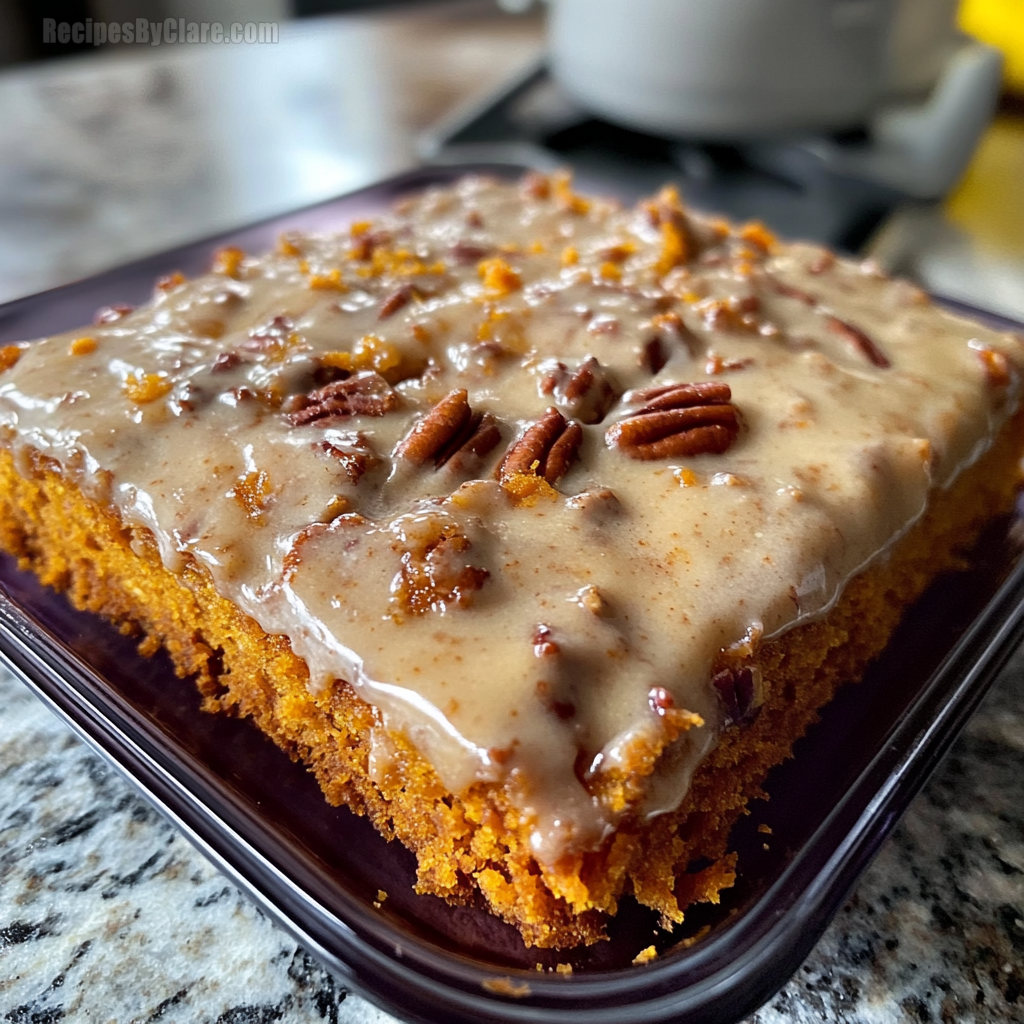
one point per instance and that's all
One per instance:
(319, 870)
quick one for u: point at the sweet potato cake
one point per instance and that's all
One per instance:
(537, 527)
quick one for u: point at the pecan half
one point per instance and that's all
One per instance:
(678, 420)
(587, 393)
(736, 692)
(451, 434)
(365, 394)
(481, 437)
(547, 449)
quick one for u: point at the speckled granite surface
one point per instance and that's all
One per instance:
(106, 914)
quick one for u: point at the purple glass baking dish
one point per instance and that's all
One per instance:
(317, 869)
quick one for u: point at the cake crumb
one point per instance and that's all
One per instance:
(564, 968)
(381, 895)
(694, 939)
(766, 829)
(645, 956)
(506, 987)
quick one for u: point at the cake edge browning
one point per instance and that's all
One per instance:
(472, 847)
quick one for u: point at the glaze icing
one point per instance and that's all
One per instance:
(278, 420)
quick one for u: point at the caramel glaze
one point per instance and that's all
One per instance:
(532, 619)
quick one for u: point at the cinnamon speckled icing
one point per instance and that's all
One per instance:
(535, 635)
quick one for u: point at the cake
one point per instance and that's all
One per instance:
(538, 527)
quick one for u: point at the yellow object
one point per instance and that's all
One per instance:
(999, 23)
(986, 203)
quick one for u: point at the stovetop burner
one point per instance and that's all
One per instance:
(531, 121)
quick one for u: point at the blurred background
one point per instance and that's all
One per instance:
(889, 128)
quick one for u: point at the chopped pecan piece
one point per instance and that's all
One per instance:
(736, 692)
(997, 366)
(653, 356)
(270, 336)
(860, 341)
(352, 452)
(111, 314)
(822, 263)
(655, 352)
(587, 394)
(366, 242)
(186, 397)
(435, 576)
(543, 645)
(464, 252)
(294, 559)
(601, 506)
(660, 700)
(365, 394)
(254, 493)
(603, 323)
(673, 323)
(789, 292)
(225, 361)
(735, 313)
(451, 434)
(562, 709)
(535, 185)
(547, 449)
(242, 395)
(169, 282)
(716, 364)
(678, 420)
(851, 333)
(393, 302)
(591, 599)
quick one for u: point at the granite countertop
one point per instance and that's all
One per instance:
(107, 914)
